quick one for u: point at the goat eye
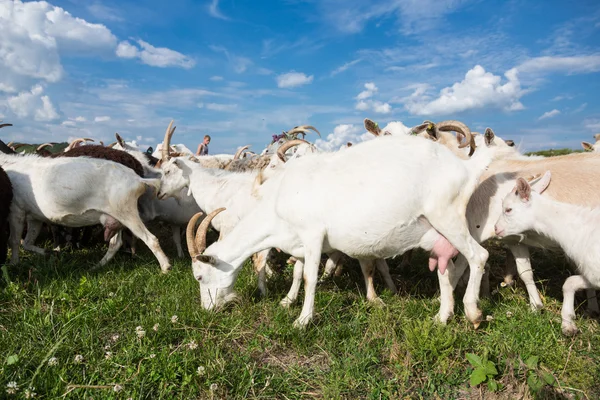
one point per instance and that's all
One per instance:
(508, 210)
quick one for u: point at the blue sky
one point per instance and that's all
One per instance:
(242, 71)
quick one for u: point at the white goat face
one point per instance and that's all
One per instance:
(517, 214)
(172, 180)
(216, 279)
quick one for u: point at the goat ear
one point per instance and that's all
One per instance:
(206, 259)
(523, 189)
(510, 143)
(489, 136)
(586, 146)
(542, 183)
(597, 136)
(372, 127)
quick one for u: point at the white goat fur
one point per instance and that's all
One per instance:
(574, 228)
(76, 192)
(378, 172)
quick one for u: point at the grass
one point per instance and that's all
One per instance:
(60, 308)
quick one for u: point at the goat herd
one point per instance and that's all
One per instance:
(426, 187)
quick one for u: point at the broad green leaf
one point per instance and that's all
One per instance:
(474, 359)
(548, 378)
(534, 382)
(478, 376)
(493, 385)
(532, 362)
(490, 368)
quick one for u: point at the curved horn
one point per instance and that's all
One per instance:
(101, 143)
(112, 144)
(3, 125)
(203, 228)
(17, 146)
(189, 234)
(167, 142)
(75, 142)
(41, 146)
(120, 140)
(303, 129)
(239, 152)
(426, 125)
(457, 126)
(287, 145)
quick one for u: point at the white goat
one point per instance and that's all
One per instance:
(421, 190)
(574, 228)
(76, 192)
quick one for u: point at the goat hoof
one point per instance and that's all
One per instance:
(166, 269)
(569, 329)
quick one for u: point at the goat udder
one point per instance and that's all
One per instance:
(441, 253)
(111, 227)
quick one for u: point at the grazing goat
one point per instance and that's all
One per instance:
(574, 228)
(421, 189)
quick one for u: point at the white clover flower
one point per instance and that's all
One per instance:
(140, 332)
(117, 388)
(111, 294)
(53, 361)
(155, 327)
(201, 371)
(213, 387)
(174, 318)
(78, 359)
(152, 355)
(29, 393)
(192, 345)
(489, 318)
(509, 314)
(157, 309)
(12, 387)
(108, 355)
(107, 347)
(115, 337)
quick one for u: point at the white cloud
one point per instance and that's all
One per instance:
(365, 102)
(342, 134)
(104, 12)
(381, 108)
(154, 56)
(218, 107)
(33, 33)
(365, 94)
(345, 66)
(213, 10)
(479, 89)
(103, 118)
(216, 78)
(34, 104)
(549, 114)
(570, 65)
(593, 124)
(293, 79)
(238, 63)
(80, 119)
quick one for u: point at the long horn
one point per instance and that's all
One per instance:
(203, 228)
(287, 145)
(75, 142)
(9, 144)
(239, 152)
(166, 143)
(17, 146)
(3, 125)
(189, 234)
(303, 129)
(457, 126)
(112, 144)
(120, 140)
(41, 146)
